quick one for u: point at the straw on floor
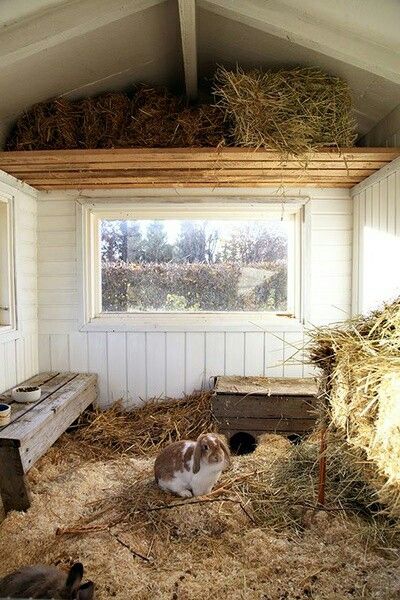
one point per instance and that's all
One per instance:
(96, 501)
(146, 429)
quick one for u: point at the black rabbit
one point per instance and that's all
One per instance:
(39, 581)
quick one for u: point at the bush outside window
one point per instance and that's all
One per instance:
(195, 265)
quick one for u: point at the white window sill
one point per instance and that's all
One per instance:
(191, 322)
(8, 333)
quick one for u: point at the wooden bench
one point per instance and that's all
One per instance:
(35, 427)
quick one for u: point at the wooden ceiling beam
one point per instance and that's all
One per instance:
(187, 20)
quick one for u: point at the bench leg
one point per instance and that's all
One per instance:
(13, 488)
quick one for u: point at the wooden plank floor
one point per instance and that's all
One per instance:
(192, 167)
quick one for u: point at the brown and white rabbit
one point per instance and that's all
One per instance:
(40, 581)
(189, 468)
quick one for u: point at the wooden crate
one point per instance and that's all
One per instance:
(264, 405)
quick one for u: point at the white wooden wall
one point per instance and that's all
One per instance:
(376, 239)
(140, 365)
(386, 132)
(19, 350)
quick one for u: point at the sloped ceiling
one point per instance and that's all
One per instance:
(82, 47)
(225, 41)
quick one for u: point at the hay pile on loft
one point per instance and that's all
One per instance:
(360, 361)
(146, 118)
(289, 110)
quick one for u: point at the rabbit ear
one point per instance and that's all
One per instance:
(225, 449)
(197, 457)
(74, 577)
(86, 591)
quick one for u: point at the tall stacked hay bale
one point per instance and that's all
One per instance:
(290, 110)
(361, 394)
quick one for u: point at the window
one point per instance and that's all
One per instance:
(7, 296)
(191, 260)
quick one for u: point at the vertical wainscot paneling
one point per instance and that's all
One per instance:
(117, 366)
(234, 353)
(136, 368)
(215, 355)
(98, 364)
(254, 360)
(155, 360)
(195, 361)
(376, 276)
(175, 364)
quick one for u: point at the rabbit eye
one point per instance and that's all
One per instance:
(205, 446)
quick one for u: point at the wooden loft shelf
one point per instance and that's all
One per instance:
(192, 167)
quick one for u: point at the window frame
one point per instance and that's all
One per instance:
(8, 244)
(91, 213)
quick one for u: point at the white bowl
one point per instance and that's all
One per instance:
(26, 394)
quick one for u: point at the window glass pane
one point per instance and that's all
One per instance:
(178, 265)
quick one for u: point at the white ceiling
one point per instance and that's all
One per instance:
(82, 47)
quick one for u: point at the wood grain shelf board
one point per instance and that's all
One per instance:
(193, 167)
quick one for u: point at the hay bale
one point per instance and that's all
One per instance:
(202, 126)
(153, 120)
(52, 124)
(103, 120)
(361, 392)
(290, 110)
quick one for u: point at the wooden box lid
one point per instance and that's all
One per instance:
(270, 386)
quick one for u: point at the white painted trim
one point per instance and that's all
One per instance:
(392, 167)
(14, 184)
(306, 232)
(266, 194)
(185, 322)
(90, 316)
(12, 276)
(187, 20)
(196, 208)
(8, 334)
(355, 284)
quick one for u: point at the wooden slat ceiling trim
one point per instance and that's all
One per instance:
(192, 167)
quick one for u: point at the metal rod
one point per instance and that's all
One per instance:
(322, 468)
